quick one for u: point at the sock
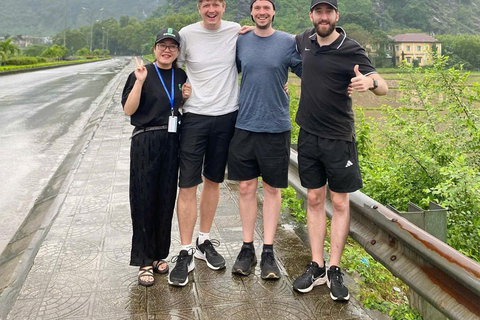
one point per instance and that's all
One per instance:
(186, 247)
(202, 236)
(267, 247)
(249, 245)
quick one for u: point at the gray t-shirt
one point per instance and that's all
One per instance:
(264, 63)
(209, 56)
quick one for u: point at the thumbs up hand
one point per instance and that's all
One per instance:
(360, 82)
(357, 72)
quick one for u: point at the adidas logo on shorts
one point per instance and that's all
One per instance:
(349, 163)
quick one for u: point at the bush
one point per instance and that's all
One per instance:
(34, 50)
(55, 51)
(83, 52)
(428, 150)
(20, 61)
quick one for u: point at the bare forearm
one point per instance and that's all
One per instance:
(382, 88)
(133, 100)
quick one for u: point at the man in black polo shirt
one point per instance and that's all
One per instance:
(326, 142)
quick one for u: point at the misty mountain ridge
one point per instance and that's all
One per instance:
(50, 17)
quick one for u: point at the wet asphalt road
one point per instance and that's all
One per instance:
(41, 115)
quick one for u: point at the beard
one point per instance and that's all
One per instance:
(322, 32)
(263, 27)
(266, 26)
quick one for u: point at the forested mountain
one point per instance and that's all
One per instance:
(431, 16)
(49, 17)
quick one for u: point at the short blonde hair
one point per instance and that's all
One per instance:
(199, 2)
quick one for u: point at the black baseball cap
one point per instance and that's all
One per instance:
(168, 33)
(332, 3)
(253, 1)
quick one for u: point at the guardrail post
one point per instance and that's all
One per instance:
(433, 221)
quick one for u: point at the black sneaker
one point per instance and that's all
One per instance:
(268, 265)
(207, 252)
(245, 261)
(312, 277)
(179, 275)
(338, 291)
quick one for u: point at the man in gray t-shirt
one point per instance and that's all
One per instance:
(261, 143)
(208, 122)
(208, 53)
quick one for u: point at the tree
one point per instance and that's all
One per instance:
(383, 56)
(74, 39)
(34, 50)
(355, 6)
(411, 13)
(83, 52)
(8, 49)
(358, 33)
(361, 19)
(462, 50)
(55, 51)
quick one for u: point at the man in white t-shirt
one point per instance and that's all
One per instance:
(208, 123)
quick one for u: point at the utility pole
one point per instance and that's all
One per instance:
(91, 30)
(65, 26)
(103, 38)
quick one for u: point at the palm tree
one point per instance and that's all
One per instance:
(8, 49)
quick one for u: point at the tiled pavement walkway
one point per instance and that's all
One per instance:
(81, 270)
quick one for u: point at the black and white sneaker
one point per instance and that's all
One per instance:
(184, 264)
(246, 259)
(338, 291)
(207, 252)
(268, 265)
(312, 277)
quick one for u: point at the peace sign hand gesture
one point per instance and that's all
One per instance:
(140, 70)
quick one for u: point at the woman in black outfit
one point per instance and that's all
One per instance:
(152, 95)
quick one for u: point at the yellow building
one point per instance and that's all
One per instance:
(415, 46)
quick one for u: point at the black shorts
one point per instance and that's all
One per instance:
(204, 141)
(321, 160)
(254, 154)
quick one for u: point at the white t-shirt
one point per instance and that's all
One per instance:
(209, 56)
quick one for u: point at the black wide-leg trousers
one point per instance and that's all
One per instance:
(153, 190)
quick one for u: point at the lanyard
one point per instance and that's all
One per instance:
(170, 95)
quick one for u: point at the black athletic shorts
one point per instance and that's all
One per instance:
(254, 154)
(323, 160)
(204, 141)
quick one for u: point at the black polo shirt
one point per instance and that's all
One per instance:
(325, 109)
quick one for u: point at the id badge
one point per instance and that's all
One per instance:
(172, 124)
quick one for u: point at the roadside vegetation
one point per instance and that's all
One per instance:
(369, 23)
(426, 149)
(12, 58)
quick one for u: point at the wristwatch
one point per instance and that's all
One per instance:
(375, 84)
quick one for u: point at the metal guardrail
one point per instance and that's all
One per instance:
(442, 276)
